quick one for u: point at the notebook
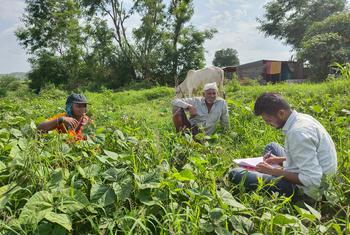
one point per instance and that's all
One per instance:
(250, 163)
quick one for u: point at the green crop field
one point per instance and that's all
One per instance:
(135, 175)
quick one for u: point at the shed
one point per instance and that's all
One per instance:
(229, 71)
(269, 70)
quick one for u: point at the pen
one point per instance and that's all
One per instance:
(267, 155)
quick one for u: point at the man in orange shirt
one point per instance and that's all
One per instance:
(72, 121)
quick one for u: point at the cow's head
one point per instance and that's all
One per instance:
(179, 92)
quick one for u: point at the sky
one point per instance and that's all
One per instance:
(235, 21)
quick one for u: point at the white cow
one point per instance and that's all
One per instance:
(198, 78)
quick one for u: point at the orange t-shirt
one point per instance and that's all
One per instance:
(76, 133)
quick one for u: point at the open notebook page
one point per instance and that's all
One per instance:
(252, 162)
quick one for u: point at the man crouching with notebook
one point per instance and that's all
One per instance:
(308, 155)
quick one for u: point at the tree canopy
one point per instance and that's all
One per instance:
(327, 42)
(75, 37)
(289, 20)
(226, 57)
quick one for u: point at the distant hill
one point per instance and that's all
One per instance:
(18, 75)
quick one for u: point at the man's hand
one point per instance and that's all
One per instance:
(192, 110)
(70, 122)
(265, 168)
(275, 160)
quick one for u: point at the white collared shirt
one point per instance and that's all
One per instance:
(310, 151)
(205, 119)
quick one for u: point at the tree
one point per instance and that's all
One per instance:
(226, 57)
(325, 43)
(52, 29)
(148, 36)
(288, 20)
(73, 35)
(180, 12)
(69, 47)
(118, 14)
(47, 69)
(191, 52)
(155, 51)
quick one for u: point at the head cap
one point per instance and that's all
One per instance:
(209, 86)
(76, 98)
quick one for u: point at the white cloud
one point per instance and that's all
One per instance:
(236, 23)
(250, 44)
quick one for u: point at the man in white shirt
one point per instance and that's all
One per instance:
(204, 111)
(308, 155)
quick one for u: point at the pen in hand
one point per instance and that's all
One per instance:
(267, 155)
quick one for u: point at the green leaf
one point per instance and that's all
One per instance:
(61, 219)
(337, 228)
(100, 130)
(184, 175)
(346, 111)
(22, 143)
(123, 188)
(322, 229)
(17, 120)
(3, 197)
(282, 219)
(36, 208)
(206, 225)
(80, 197)
(47, 228)
(2, 166)
(228, 199)
(4, 134)
(147, 180)
(145, 197)
(7, 191)
(16, 133)
(112, 155)
(216, 213)
(58, 178)
(114, 174)
(32, 125)
(102, 194)
(198, 162)
(313, 211)
(119, 134)
(16, 152)
(103, 159)
(81, 172)
(71, 204)
(305, 214)
(242, 224)
(92, 170)
(266, 216)
(65, 148)
(316, 108)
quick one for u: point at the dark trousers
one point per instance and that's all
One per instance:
(182, 124)
(272, 184)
